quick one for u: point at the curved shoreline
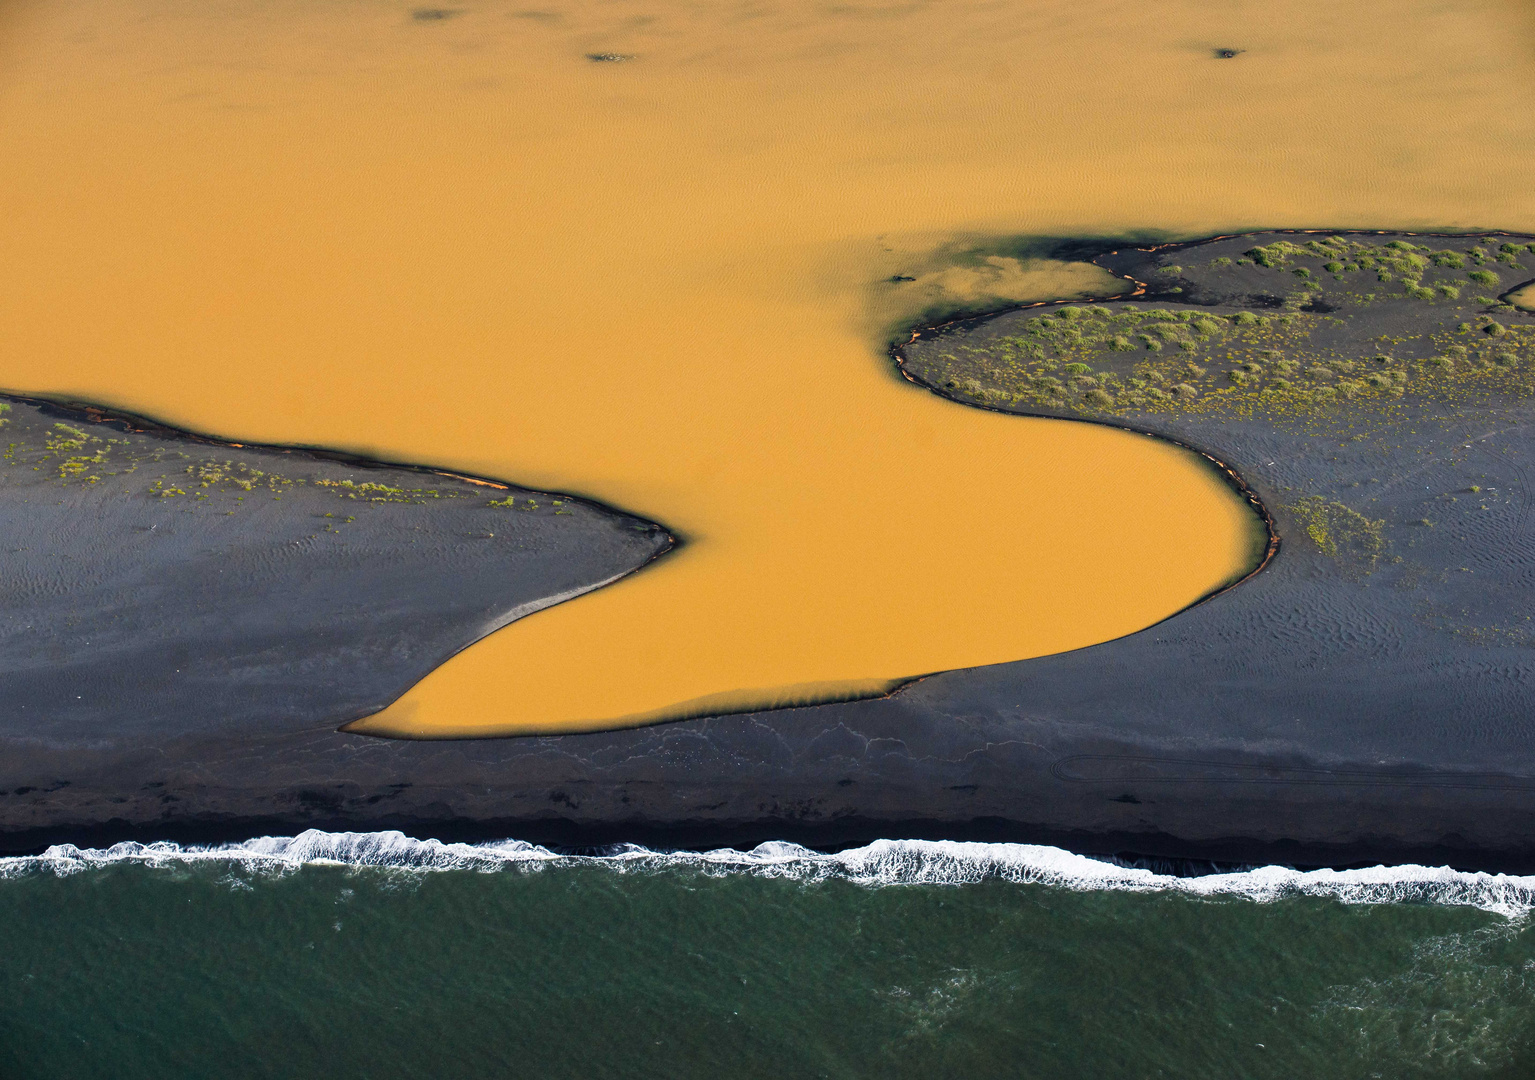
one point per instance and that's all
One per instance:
(135, 423)
(1227, 472)
(257, 587)
(1343, 708)
(138, 423)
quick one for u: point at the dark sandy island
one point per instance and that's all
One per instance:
(1366, 696)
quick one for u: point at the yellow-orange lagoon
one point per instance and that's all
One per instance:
(449, 236)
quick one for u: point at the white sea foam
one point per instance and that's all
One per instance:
(882, 863)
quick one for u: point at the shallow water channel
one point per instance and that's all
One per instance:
(662, 278)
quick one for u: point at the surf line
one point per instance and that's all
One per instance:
(881, 863)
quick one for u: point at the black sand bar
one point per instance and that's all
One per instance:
(1369, 695)
(158, 584)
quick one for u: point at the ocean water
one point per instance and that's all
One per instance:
(374, 955)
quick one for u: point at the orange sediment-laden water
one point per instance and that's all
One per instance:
(447, 236)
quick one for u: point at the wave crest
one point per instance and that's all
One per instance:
(880, 864)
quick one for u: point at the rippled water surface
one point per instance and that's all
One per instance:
(374, 956)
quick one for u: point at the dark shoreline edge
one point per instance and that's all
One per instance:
(70, 408)
(1090, 249)
(67, 408)
(251, 588)
(681, 715)
(1227, 472)
(1428, 428)
(1037, 751)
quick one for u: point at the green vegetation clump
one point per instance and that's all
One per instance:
(65, 442)
(381, 493)
(1338, 530)
(1117, 359)
(1484, 277)
(1114, 359)
(511, 503)
(1275, 255)
(63, 437)
(227, 475)
(1398, 260)
(74, 453)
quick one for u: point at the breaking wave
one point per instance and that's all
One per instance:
(882, 863)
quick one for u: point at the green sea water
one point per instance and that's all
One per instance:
(374, 956)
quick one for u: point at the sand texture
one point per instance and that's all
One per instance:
(1390, 439)
(1365, 696)
(157, 583)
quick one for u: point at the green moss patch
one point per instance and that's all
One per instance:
(1117, 359)
(1338, 531)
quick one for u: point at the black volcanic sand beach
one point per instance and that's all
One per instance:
(1365, 696)
(158, 584)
